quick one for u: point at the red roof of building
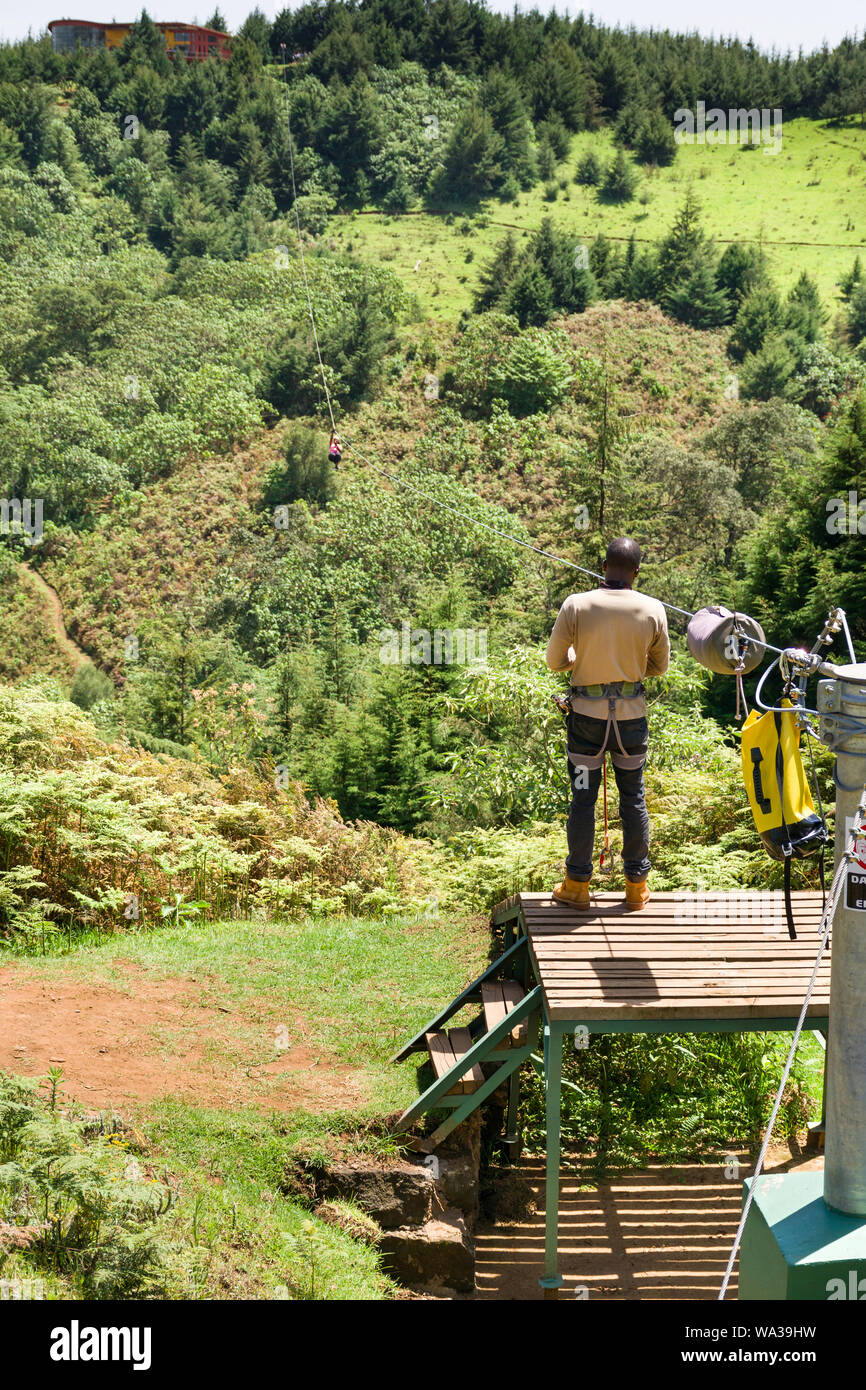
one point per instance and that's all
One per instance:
(128, 23)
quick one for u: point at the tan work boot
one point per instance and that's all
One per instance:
(637, 895)
(572, 891)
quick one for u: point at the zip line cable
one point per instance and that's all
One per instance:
(301, 243)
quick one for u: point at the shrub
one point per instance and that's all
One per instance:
(589, 170)
(307, 472)
(76, 1201)
(89, 686)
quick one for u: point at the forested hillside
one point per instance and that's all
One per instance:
(161, 396)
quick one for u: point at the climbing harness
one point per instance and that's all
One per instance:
(605, 859)
(613, 691)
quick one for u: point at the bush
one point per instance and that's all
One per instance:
(589, 170)
(90, 685)
(307, 472)
(73, 1201)
(620, 181)
(530, 371)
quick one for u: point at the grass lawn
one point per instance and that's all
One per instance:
(213, 1019)
(807, 205)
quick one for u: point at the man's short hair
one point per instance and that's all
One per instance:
(623, 554)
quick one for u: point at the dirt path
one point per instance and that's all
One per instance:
(54, 615)
(151, 1037)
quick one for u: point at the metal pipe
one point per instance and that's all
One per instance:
(845, 1143)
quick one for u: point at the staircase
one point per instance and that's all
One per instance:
(469, 1063)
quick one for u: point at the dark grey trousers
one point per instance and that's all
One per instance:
(585, 735)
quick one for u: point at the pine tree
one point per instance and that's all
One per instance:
(851, 280)
(496, 276)
(805, 315)
(472, 163)
(620, 180)
(530, 298)
(759, 314)
(766, 373)
(501, 99)
(697, 300)
(679, 251)
(739, 270)
(856, 321)
(655, 143)
(448, 38)
(559, 85)
(589, 171)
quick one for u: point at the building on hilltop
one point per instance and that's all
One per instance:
(191, 41)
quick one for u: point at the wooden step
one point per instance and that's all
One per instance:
(446, 1050)
(499, 997)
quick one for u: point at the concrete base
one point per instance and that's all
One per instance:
(796, 1247)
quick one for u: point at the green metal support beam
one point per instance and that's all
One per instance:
(552, 1279)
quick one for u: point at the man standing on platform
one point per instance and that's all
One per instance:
(610, 639)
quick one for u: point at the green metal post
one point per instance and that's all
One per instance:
(552, 1280)
(512, 1137)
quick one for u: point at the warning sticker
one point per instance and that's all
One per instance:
(855, 893)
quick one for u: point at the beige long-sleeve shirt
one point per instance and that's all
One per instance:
(606, 635)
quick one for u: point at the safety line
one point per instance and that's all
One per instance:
(824, 930)
(301, 242)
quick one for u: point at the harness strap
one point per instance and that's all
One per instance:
(787, 846)
(789, 912)
(626, 762)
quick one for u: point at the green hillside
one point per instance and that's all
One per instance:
(801, 206)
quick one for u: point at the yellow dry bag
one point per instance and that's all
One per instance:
(776, 783)
(778, 793)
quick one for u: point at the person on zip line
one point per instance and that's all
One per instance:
(335, 448)
(610, 639)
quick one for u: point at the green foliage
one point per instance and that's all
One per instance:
(89, 686)
(472, 164)
(116, 832)
(529, 370)
(620, 181)
(630, 1099)
(307, 473)
(78, 1199)
(589, 171)
(654, 140)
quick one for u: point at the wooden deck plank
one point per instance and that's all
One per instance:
(498, 998)
(710, 956)
(461, 1040)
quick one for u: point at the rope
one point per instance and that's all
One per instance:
(301, 243)
(824, 932)
(605, 853)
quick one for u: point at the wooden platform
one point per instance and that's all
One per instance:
(687, 957)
